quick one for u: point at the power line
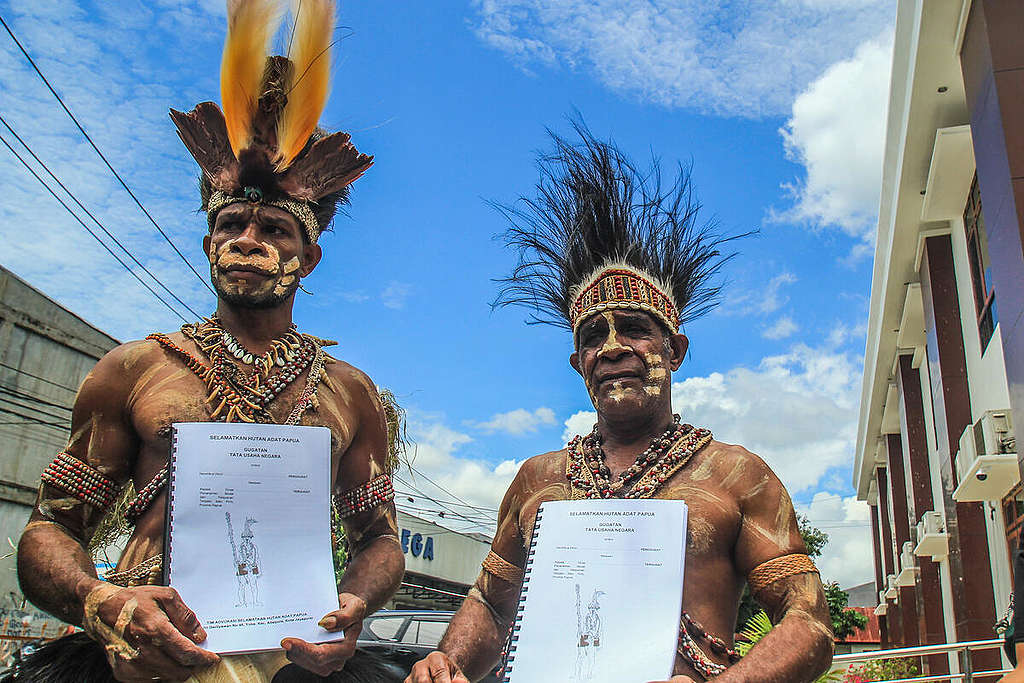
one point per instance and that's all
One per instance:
(89, 230)
(96, 220)
(454, 512)
(98, 152)
(41, 379)
(413, 470)
(32, 418)
(35, 399)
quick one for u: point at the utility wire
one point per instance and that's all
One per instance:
(32, 418)
(25, 396)
(454, 512)
(104, 158)
(19, 403)
(41, 379)
(96, 220)
(89, 230)
(413, 470)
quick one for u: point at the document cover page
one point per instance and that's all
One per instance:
(249, 546)
(603, 593)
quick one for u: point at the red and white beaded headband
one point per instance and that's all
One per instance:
(619, 285)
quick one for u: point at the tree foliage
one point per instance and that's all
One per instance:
(845, 622)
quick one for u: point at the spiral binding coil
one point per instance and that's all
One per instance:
(513, 632)
(170, 506)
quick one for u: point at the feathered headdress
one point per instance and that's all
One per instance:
(600, 235)
(265, 146)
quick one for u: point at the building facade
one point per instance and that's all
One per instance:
(944, 366)
(45, 353)
(440, 564)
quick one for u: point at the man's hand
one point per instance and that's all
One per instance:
(326, 658)
(436, 668)
(147, 632)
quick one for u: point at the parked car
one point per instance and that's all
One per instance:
(405, 637)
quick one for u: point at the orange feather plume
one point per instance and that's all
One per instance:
(251, 23)
(311, 60)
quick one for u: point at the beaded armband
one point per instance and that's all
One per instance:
(767, 573)
(377, 491)
(84, 482)
(498, 566)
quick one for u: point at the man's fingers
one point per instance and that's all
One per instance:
(322, 659)
(183, 618)
(148, 665)
(176, 646)
(436, 668)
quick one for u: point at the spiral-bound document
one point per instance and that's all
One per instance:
(248, 534)
(602, 593)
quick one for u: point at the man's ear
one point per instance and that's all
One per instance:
(678, 343)
(311, 255)
(206, 245)
(574, 361)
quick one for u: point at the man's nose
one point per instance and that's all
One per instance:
(247, 243)
(612, 350)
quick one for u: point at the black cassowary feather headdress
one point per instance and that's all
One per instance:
(600, 234)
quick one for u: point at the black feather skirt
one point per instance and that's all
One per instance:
(79, 659)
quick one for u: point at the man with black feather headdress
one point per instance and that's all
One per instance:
(619, 260)
(270, 185)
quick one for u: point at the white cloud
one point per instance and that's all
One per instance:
(518, 422)
(848, 558)
(395, 294)
(837, 133)
(748, 59)
(780, 329)
(127, 118)
(764, 301)
(440, 471)
(579, 423)
(798, 410)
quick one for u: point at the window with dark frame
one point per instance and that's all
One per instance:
(981, 266)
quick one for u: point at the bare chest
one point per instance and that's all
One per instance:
(172, 393)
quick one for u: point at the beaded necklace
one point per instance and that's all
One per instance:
(238, 396)
(588, 472)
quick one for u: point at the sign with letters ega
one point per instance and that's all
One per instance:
(417, 544)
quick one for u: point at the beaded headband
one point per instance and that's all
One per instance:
(621, 286)
(300, 210)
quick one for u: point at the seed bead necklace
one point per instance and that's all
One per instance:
(589, 477)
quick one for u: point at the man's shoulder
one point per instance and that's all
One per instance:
(734, 463)
(545, 466)
(128, 357)
(351, 379)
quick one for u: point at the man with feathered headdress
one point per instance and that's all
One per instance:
(270, 184)
(619, 260)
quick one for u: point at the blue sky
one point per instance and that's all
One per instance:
(778, 105)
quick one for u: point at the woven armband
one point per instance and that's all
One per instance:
(84, 482)
(377, 491)
(767, 573)
(498, 566)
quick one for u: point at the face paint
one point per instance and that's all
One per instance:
(280, 280)
(655, 375)
(611, 343)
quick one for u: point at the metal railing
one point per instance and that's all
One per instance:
(962, 651)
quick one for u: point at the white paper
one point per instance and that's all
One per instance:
(267, 573)
(625, 558)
